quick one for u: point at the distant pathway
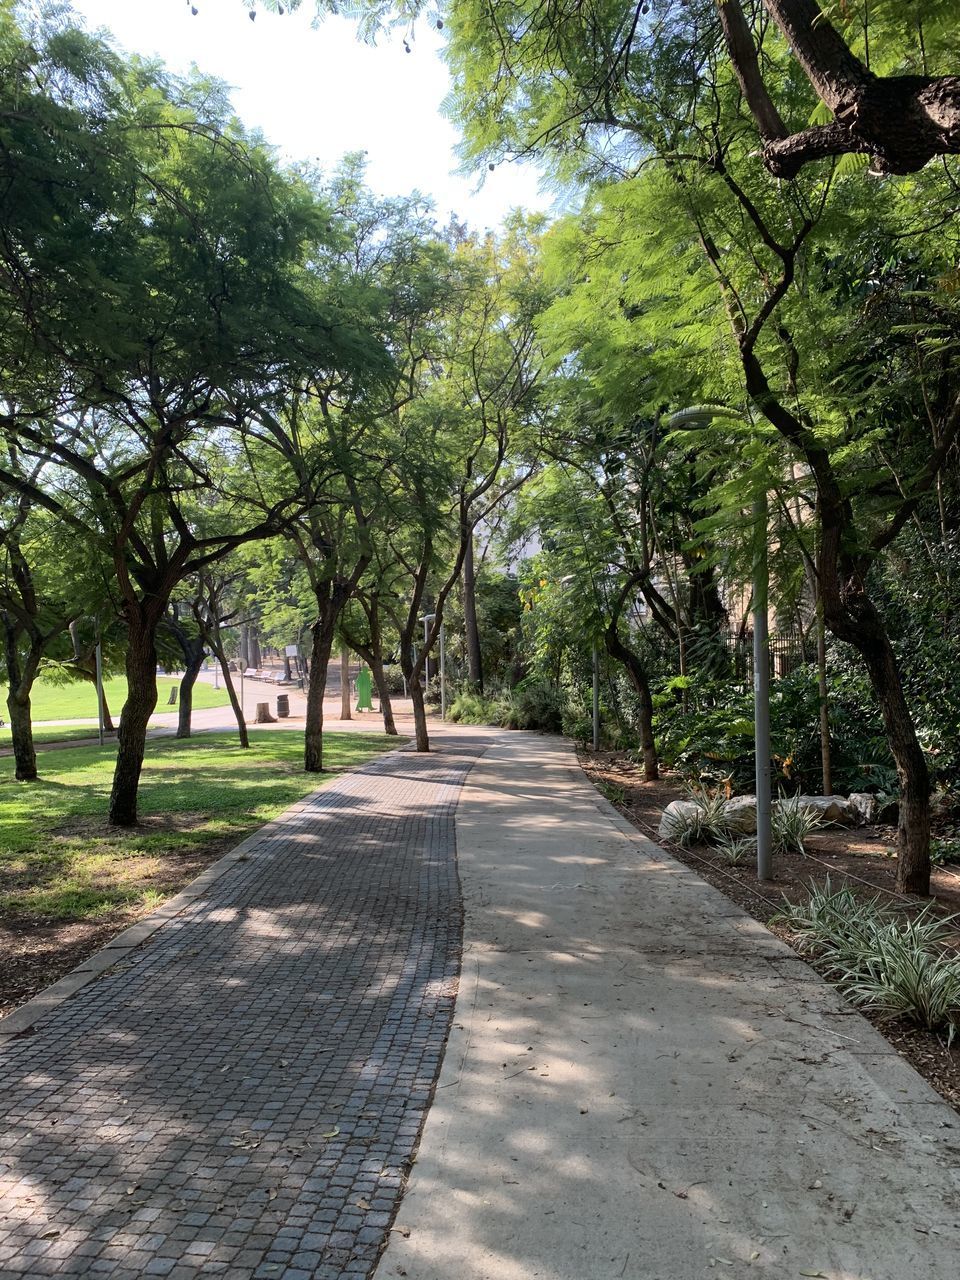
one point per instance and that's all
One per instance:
(242, 1097)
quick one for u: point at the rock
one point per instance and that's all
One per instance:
(835, 809)
(741, 814)
(673, 817)
(864, 806)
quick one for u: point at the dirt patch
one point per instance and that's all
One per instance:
(36, 953)
(91, 826)
(861, 858)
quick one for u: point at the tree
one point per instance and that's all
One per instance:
(199, 299)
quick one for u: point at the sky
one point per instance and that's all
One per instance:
(316, 93)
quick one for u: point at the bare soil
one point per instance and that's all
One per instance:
(862, 858)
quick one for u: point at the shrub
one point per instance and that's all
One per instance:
(532, 704)
(473, 708)
(705, 823)
(791, 823)
(737, 849)
(892, 968)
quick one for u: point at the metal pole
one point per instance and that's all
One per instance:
(596, 697)
(216, 672)
(100, 716)
(761, 689)
(443, 669)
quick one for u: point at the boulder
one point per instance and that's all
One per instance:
(741, 814)
(672, 818)
(835, 809)
(864, 806)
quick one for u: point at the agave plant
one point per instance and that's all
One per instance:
(791, 823)
(833, 924)
(705, 823)
(903, 975)
(892, 967)
(737, 849)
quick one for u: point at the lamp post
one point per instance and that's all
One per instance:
(426, 620)
(699, 415)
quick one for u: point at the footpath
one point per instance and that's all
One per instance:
(639, 1082)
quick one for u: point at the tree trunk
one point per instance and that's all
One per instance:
(322, 636)
(383, 693)
(232, 695)
(244, 656)
(135, 717)
(345, 710)
(191, 669)
(638, 678)
(256, 658)
(913, 831)
(419, 715)
(20, 683)
(474, 653)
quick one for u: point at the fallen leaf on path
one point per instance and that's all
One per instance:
(332, 1133)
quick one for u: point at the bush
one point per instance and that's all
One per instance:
(791, 823)
(532, 704)
(473, 708)
(706, 823)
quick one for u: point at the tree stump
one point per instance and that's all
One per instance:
(263, 714)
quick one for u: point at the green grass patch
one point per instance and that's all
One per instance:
(78, 700)
(59, 859)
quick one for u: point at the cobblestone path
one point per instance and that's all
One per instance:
(243, 1095)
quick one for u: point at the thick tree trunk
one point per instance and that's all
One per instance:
(141, 700)
(474, 653)
(852, 616)
(913, 832)
(256, 657)
(638, 678)
(20, 680)
(322, 643)
(193, 663)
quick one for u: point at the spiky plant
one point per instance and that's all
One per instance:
(791, 823)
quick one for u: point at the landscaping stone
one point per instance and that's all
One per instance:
(673, 816)
(836, 809)
(741, 815)
(864, 806)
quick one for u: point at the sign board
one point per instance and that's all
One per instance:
(292, 650)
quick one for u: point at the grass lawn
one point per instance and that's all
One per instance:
(78, 700)
(60, 861)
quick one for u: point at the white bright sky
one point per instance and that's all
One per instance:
(318, 93)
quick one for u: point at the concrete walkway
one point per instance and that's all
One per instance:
(640, 1081)
(643, 1082)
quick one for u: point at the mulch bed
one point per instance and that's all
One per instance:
(862, 858)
